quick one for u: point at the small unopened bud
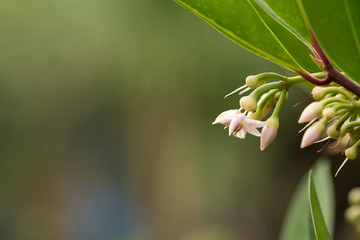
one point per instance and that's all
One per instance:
(269, 132)
(318, 93)
(312, 111)
(313, 133)
(352, 214)
(253, 81)
(339, 95)
(354, 196)
(352, 152)
(328, 113)
(333, 132)
(249, 103)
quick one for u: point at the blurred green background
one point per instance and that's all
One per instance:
(106, 111)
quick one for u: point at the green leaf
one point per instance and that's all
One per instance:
(296, 223)
(336, 25)
(317, 216)
(325, 189)
(293, 43)
(239, 21)
(289, 12)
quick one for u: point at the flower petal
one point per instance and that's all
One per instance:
(234, 125)
(253, 131)
(241, 134)
(226, 117)
(254, 123)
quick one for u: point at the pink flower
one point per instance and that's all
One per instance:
(313, 133)
(269, 132)
(312, 111)
(239, 124)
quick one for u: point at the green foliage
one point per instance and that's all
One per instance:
(336, 25)
(281, 30)
(317, 217)
(239, 21)
(296, 225)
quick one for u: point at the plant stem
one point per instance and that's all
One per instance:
(339, 78)
(332, 74)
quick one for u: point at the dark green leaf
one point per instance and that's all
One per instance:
(298, 219)
(317, 216)
(325, 190)
(292, 43)
(239, 21)
(336, 25)
(289, 12)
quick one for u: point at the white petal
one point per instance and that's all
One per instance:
(241, 134)
(234, 125)
(254, 123)
(226, 117)
(223, 120)
(253, 131)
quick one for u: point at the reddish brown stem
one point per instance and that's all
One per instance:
(332, 74)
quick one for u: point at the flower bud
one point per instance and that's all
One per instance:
(352, 214)
(339, 95)
(352, 152)
(354, 196)
(318, 93)
(312, 111)
(333, 132)
(328, 113)
(253, 81)
(269, 132)
(249, 103)
(313, 133)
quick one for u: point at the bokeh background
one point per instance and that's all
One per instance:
(105, 129)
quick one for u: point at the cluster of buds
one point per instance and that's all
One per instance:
(266, 97)
(333, 115)
(352, 213)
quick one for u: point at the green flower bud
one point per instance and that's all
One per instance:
(253, 81)
(318, 93)
(249, 103)
(352, 152)
(333, 132)
(328, 113)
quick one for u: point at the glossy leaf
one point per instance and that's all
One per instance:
(298, 221)
(239, 21)
(336, 25)
(292, 43)
(317, 216)
(325, 190)
(289, 12)
(295, 225)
